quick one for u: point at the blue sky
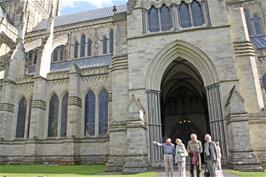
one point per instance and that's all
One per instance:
(74, 6)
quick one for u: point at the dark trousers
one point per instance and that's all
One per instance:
(198, 168)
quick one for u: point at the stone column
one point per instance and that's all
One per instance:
(38, 110)
(118, 121)
(216, 117)
(242, 156)
(74, 103)
(14, 70)
(137, 152)
(249, 85)
(154, 127)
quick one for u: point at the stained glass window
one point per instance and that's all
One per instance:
(111, 35)
(184, 15)
(105, 45)
(53, 116)
(165, 18)
(103, 113)
(82, 45)
(89, 114)
(89, 47)
(248, 21)
(76, 46)
(197, 14)
(257, 25)
(29, 118)
(64, 116)
(264, 82)
(21, 118)
(153, 20)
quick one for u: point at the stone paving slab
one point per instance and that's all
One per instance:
(162, 174)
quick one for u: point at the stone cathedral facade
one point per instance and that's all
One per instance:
(99, 86)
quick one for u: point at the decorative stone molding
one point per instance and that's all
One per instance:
(117, 126)
(244, 48)
(76, 101)
(119, 63)
(146, 4)
(6, 107)
(38, 104)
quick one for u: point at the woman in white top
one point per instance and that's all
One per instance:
(180, 157)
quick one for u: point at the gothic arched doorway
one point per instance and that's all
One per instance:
(184, 108)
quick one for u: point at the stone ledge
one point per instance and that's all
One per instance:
(7, 107)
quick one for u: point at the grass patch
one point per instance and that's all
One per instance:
(61, 171)
(248, 174)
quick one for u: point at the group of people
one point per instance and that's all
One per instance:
(178, 154)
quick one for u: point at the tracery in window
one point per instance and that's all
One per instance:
(153, 20)
(21, 118)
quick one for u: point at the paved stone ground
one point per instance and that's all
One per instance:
(162, 173)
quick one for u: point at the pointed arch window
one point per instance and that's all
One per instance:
(61, 52)
(89, 47)
(184, 15)
(32, 56)
(197, 14)
(58, 53)
(257, 25)
(21, 118)
(248, 21)
(76, 46)
(82, 45)
(111, 36)
(29, 118)
(264, 82)
(103, 113)
(53, 116)
(166, 21)
(153, 19)
(105, 45)
(64, 116)
(89, 129)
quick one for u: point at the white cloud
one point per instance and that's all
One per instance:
(95, 3)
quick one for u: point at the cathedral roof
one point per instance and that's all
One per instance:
(84, 63)
(259, 42)
(82, 17)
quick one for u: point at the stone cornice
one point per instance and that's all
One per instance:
(119, 62)
(74, 101)
(243, 48)
(146, 4)
(38, 104)
(7, 107)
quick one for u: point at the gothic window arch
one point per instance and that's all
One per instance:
(153, 19)
(166, 21)
(32, 56)
(89, 127)
(29, 118)
(82, 45)
(184, 15)
(53, 116)
(21, 118)
(103, 113)
(89, 47)
(105, 40)
(264, 82)
(58, 53)
(111, 36)
(197, 14)
(257, 25)
(76, 46)
(64, 115)
(248, 22)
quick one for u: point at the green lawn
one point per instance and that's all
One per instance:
(248, 174)
(60, 171)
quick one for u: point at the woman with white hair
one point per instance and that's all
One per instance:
(180, 158)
